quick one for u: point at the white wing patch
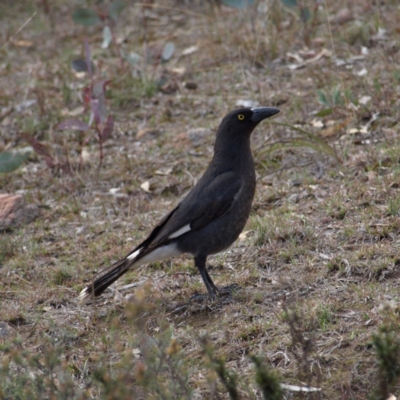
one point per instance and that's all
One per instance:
(159, 254)
(181, 231)
(134, 254)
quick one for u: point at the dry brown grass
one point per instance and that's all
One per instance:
(319, 268)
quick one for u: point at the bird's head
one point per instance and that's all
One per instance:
(242, 121)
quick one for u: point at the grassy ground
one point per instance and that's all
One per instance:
(318, 264)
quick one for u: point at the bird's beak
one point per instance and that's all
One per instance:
(260, 113)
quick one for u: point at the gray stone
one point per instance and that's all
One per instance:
(14, 212)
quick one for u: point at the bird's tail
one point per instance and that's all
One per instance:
(140, 255)
(108, 277)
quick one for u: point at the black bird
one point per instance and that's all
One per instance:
(210, 218)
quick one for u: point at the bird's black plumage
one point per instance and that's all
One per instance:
(210, 218)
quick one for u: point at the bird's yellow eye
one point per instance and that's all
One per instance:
(241, 117)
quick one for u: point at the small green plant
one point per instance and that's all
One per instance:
(228, 378)
(12, 160)
(263, 231)
(34, 375)
(303, 344)
(238, 3)
(164, 374)
(394, 206)
(307, 16)
(8, 247)
(56, 163)
(103, 124)
(336, 264)
(304, 12)
(94, 100)
(336, 207)
(107, 17)
(325, 317)
(88, 17)
(61, 276)
(332, 99)
(387, 348)
(267, 380)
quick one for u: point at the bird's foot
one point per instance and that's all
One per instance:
(200, 298)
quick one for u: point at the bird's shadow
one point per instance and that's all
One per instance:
(199, 303)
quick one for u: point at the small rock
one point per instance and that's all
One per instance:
(118, 298)
(364, 100)
(130, 298)
(294, 198)
(14, 212)
(247, 103)
(343, 16)
(5, 330)
(136, 352)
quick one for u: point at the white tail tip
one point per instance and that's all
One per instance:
(84, 296)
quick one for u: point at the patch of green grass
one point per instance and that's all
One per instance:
(61, 276)
(336, 207)
(325, 317)
(263, 231)
(336, 264)
(357, 33)
(394, 206)
(132, 89)
(8, 247)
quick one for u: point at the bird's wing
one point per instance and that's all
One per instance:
(216, 199)
(154, 233)
(199, 208)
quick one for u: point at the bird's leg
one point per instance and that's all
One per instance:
(200, 262)
(223, 291)
(210, 281)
